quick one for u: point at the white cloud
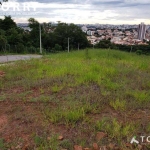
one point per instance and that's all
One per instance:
(96, 11)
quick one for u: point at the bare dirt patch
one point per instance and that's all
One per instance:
(2, 73)
(3, 121)
(21, 121)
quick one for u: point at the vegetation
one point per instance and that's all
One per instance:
(139, 49)
(54, 38)
(75, 95)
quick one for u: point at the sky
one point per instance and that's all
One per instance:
(79, 11)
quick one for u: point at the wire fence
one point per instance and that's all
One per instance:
(21, 49)
(18, 49)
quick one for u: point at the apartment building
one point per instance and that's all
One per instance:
(141, 31)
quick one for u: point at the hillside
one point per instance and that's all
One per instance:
(88, 98)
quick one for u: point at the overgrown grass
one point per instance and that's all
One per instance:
(115, 129)
(119, 105)
(77, 89)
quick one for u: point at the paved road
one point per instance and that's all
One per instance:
(9, 58)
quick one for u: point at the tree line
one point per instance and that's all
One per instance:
(139, 49)
(54, 38)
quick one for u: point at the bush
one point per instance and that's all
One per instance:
(20, 48)
(138, 52)
(57, 47)
(34, 50)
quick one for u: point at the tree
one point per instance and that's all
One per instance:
(3, 42)
(64, 31)
(14, 37)
(47, 27)
(33, 24)
(53, 37)
(2, 32)
(20, 48)
(7, 23)
(57, 47)
(34, 34)
(3, 1)
(104, 44)
(1, 22)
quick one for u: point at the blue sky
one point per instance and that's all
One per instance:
(77, 11)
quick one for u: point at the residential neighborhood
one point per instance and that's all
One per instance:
(124, 35)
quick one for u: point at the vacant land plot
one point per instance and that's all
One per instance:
(91, 98)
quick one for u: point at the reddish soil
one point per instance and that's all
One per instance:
(19, 121)
(2, 73)
(3, 122)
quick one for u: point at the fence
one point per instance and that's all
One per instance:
(18, 49)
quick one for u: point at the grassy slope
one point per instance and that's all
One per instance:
(75, 95)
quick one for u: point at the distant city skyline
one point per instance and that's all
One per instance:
(80, 12)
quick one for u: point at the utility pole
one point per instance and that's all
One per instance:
(68, 44)
(40, 39)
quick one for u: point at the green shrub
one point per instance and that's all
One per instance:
(57, 47)
(66, 144)
(1, 144)
(139, 52)
(118, 104)
(20, 48)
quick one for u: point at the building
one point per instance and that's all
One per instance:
(89, 32)
(148, 30)
(141, 31)
(84, 29)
